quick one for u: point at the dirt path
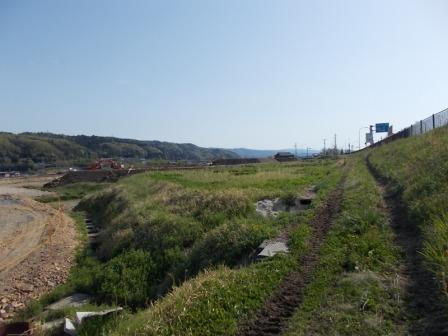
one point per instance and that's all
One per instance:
(425, 313)
(22, 227)
(36, 245)
(273, 318)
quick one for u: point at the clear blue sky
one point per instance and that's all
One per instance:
(224, 73)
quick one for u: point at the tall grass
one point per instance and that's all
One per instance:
(436, 249)
(210, 304)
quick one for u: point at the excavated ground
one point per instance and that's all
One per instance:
(36, 245)
(273, 318)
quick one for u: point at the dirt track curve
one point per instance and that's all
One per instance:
(425, 312)
(36, 245)
(273, 318)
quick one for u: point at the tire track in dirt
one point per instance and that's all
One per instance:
(26, 236)
(274, 317)
(425, 312)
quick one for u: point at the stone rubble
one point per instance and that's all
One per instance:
(38, 273)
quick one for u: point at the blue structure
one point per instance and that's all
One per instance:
(382, 127)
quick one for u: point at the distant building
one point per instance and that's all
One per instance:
(284, 156)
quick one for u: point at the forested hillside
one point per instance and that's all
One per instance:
(29, 150)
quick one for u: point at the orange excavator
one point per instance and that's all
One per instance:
(105, 164)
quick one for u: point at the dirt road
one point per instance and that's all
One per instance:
(36, 244)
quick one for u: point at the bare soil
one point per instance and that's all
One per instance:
(36, 245)
(426, 308)
(273, 318)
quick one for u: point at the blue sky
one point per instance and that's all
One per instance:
(222, 73)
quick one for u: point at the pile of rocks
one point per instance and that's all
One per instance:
(42, 270)
(272, 207)
(7, 308)
(14, 298)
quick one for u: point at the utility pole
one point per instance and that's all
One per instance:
(295, 149)
(371, 134)
(325, 147)
(335, 143)
(359, 136)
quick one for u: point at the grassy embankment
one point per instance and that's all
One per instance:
(355, 290)
(189, 222)
(418, 168)
(74, 191)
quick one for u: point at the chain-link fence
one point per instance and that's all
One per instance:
(436, 120)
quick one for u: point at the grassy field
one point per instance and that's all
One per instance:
(355, 290)
(187, 235)
(187, 221)
(219, 297)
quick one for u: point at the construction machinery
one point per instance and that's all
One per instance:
(105, 164)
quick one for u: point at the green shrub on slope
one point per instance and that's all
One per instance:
(127, 278)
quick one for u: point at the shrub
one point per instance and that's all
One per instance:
(126, 279)
(227, 244)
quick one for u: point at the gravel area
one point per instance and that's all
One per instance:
(36, 245)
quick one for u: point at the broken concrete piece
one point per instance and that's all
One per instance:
(80, 316)
(270, 207)
(75, 300)
(53, 324)
(69, 327)
(308, 197)
(273, 248)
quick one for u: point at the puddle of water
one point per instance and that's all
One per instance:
(8, 201)
(271, 207)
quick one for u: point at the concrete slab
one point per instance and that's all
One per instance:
(80, 316)
(75, 300)
(69, 327)
(273, 248)
(53, 324)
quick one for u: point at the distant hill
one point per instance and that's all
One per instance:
(263, 153)
(27, 150)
